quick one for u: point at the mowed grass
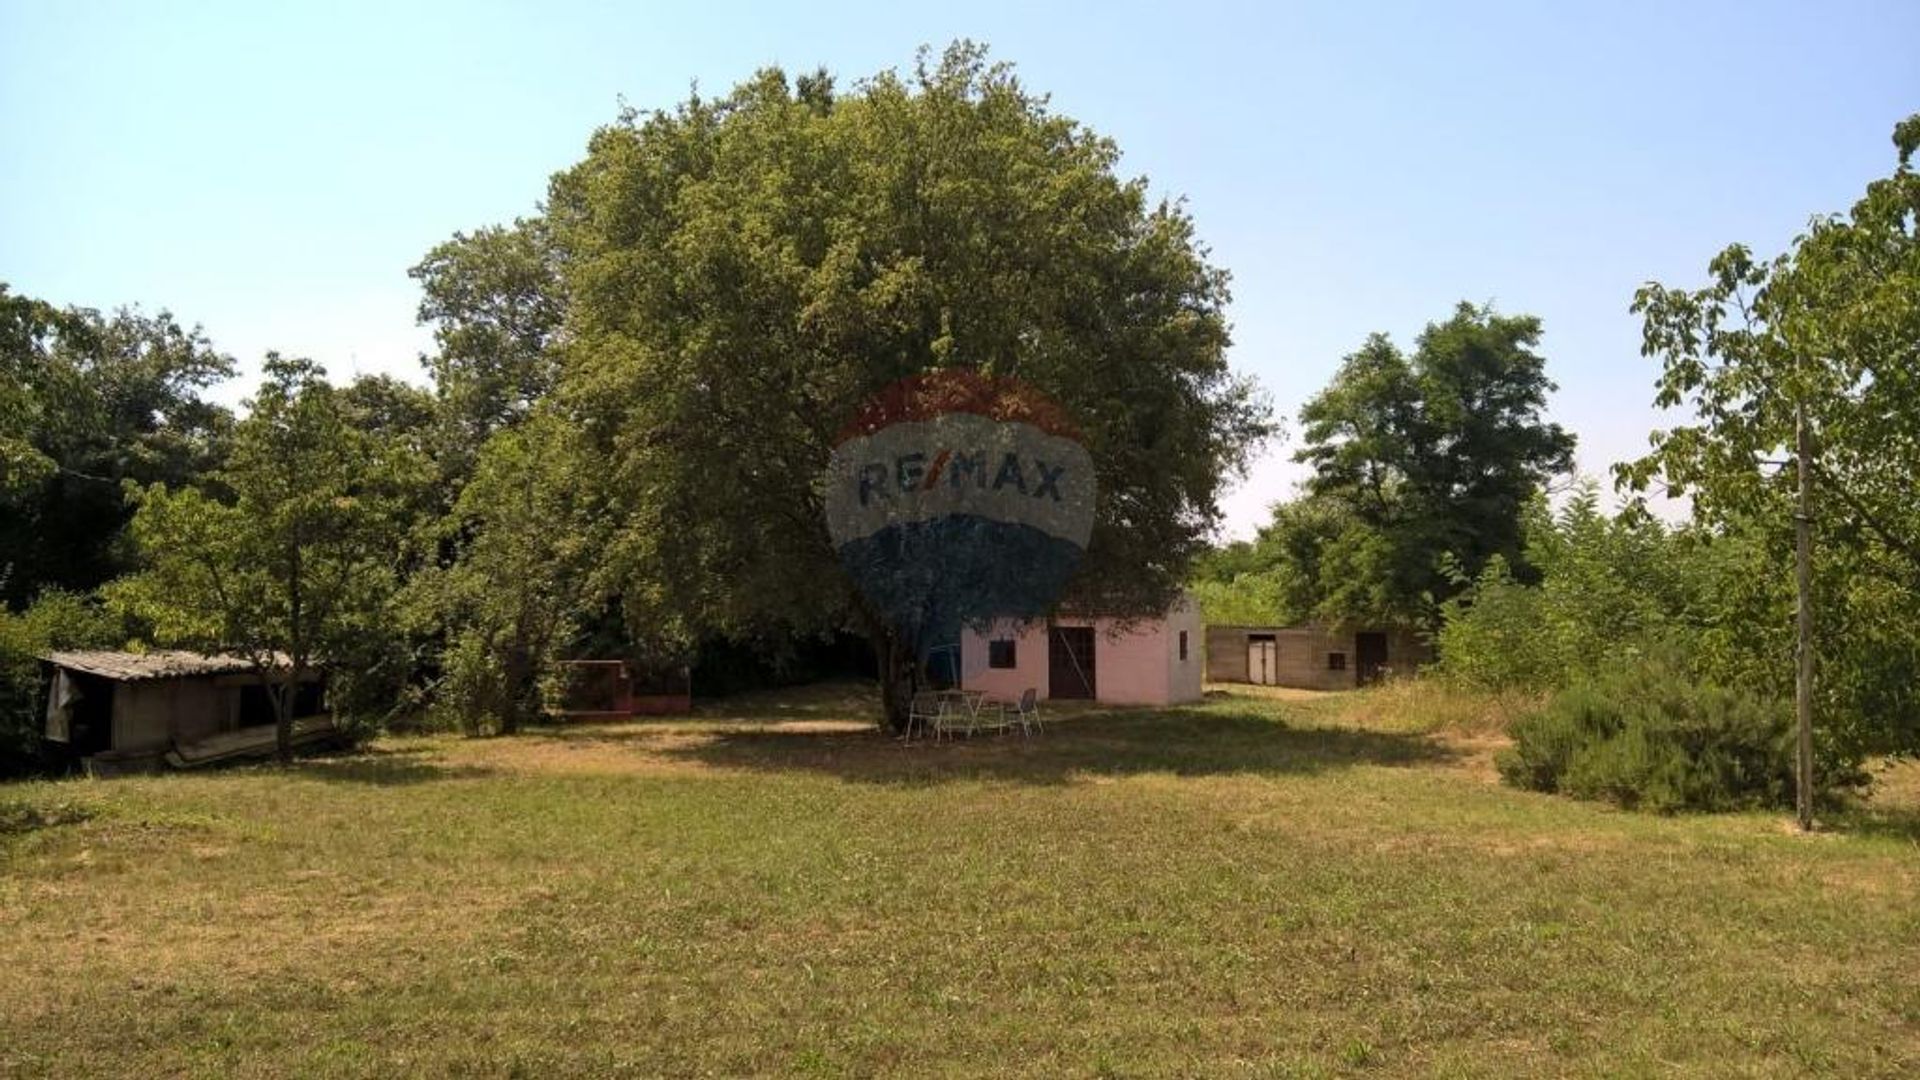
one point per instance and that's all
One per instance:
(1264, 885)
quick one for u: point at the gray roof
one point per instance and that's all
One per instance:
(158, 664)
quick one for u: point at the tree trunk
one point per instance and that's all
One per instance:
(521, 692)
(283, 719)
(296, 661)
(898, 679)
(1803, 624)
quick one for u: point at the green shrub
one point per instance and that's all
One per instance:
(1652, 737)
(57, 620)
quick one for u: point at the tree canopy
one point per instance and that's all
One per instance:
(293, 561)
(495, 300)
(88, 401)
(1423, 464)
(1832, 326)
(743, 273)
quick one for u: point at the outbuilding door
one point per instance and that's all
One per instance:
(1070, 662)
(1263, 659)
(1369, 657)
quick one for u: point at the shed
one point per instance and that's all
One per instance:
(1141, 661)
(1312, 656)
(125, 712)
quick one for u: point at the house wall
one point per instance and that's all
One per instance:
(1407, 653)
(1185, 677)
(140, 718)
(1226, 654)
(1135, 662)
(1129, 660)
(1029, 654)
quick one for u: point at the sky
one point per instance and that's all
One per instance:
(270, 171)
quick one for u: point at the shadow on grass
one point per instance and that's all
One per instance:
(832, 700)
(382, 768)
(1180, 741)
(1901, 823)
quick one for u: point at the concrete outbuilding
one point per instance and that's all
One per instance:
(1313, 656)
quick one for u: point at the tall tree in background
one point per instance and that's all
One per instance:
(1422, 467)
(1831, 329)
(495, 300)
(88, 401)
(743, 273)
(293, 563)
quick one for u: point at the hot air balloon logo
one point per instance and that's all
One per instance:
(954, 498)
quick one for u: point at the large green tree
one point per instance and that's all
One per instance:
(742, 273)
(88, 401)
(1423, 465)
(292, 563)
(1830, 327)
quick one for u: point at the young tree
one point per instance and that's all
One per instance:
(1800, 374)
(743, 273)
(521, 583)
(299, 561)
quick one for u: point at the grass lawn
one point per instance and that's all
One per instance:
(1259, 886)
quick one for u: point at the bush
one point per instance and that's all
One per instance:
(57, 620)
(1651, 737)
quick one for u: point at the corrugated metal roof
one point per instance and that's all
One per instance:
(158, 664)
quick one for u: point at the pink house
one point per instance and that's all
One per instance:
(1152, 661)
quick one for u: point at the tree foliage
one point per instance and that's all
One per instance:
(1610, 591)
(1433, 454)
(293, 562)
(496, 302)
(88, 401)
(1422, 467)
(743, 273)
(1832, 326)
(522, 586)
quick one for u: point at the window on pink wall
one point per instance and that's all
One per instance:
(1183, 646)
(1000, 653)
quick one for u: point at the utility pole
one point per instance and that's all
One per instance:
(1803, 619)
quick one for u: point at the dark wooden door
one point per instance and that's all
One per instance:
(1369, 657)
(90, 730)
(1070, 662)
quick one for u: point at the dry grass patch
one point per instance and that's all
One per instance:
(1432, 705)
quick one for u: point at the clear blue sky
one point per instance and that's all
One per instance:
(271, 170)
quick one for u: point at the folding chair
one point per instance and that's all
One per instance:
(924, 712)
(1026, 712)
(952, 717)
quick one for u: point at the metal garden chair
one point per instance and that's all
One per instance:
(1026, 712)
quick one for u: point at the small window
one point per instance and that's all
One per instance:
(1183, 646)
(1000, 653)
(1336, 661)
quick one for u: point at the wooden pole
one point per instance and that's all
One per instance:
(1803, 621)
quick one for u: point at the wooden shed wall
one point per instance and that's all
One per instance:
(152, 715)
